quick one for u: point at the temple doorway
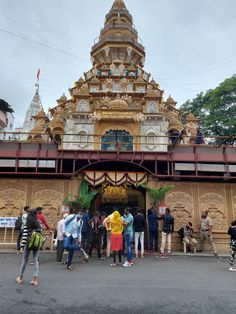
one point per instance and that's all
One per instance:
(118, 197)
(117, 190)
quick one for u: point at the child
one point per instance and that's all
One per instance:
(232, 233)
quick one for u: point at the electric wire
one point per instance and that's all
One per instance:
(42, 44)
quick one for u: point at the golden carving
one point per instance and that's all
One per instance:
(118, 104)
(181, 205)
(215, 204)
(11, 202)
(51, 202)
(115, 194)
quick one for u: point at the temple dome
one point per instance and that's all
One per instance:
(118, 104)
(175, 124)
(191, 117)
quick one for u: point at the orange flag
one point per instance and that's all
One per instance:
(38, 74)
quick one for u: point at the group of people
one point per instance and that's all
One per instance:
(182, 137)
(114, 233)
(205, 234)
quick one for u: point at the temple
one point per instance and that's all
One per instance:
(117, 130)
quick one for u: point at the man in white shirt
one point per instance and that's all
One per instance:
(60, 238)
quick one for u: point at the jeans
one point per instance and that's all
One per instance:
(139, 236)
(128, 244)
(18, 240)
(153, 236)
(25, 260)
(71, 250)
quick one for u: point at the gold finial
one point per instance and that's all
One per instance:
(119, 4)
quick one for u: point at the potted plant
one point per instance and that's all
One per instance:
(83, 199)
(157, 195)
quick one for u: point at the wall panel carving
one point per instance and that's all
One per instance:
(181, 205)
(215, 204)
(233, 192)
(186, 201)
(11, 202)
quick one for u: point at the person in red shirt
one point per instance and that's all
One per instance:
(42, 218)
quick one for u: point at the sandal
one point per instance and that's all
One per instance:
(19, 280)
(69, 268)
(33, 283)
(113, 265)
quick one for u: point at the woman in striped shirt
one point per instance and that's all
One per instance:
(32, 224)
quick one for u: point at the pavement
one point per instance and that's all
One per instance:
(179, 284)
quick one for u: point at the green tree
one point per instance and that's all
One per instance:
(216, 109)
(157, 195)
(5, 107)
(84, 199)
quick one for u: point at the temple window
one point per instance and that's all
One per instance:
(83, 139)
(117, 140)
(129, 87)
(152, 108)
(116, 88)
(82, 106)
(150, 140)
(117, 72)
(93, 89)
(140, 89)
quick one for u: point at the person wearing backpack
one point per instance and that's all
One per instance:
(20, 225)
(31, 241)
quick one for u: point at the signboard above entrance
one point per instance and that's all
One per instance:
(115, 178)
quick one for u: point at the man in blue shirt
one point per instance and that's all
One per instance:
(153, 229)
(72, 229)
(128, 235)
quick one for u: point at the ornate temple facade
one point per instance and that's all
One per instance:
(116, 103)
(114, 131)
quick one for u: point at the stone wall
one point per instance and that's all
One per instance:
(186, 201)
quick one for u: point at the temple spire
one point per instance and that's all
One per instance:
(33, 109)
(119, 4)
(118, 40)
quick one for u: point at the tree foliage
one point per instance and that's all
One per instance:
(83, 199)
(216, 109)
(157, 195)
(5, 107)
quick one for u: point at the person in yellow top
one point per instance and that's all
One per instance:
(114, 224)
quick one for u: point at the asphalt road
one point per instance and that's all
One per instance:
(177, 285)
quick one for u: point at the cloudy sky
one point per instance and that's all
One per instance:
(190, 45)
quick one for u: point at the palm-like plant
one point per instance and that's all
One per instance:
(157, 195)
(84, 199)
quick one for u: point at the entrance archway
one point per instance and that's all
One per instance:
(119, 197)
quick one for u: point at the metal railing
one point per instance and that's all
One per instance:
(8, 237)
(96, 138)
